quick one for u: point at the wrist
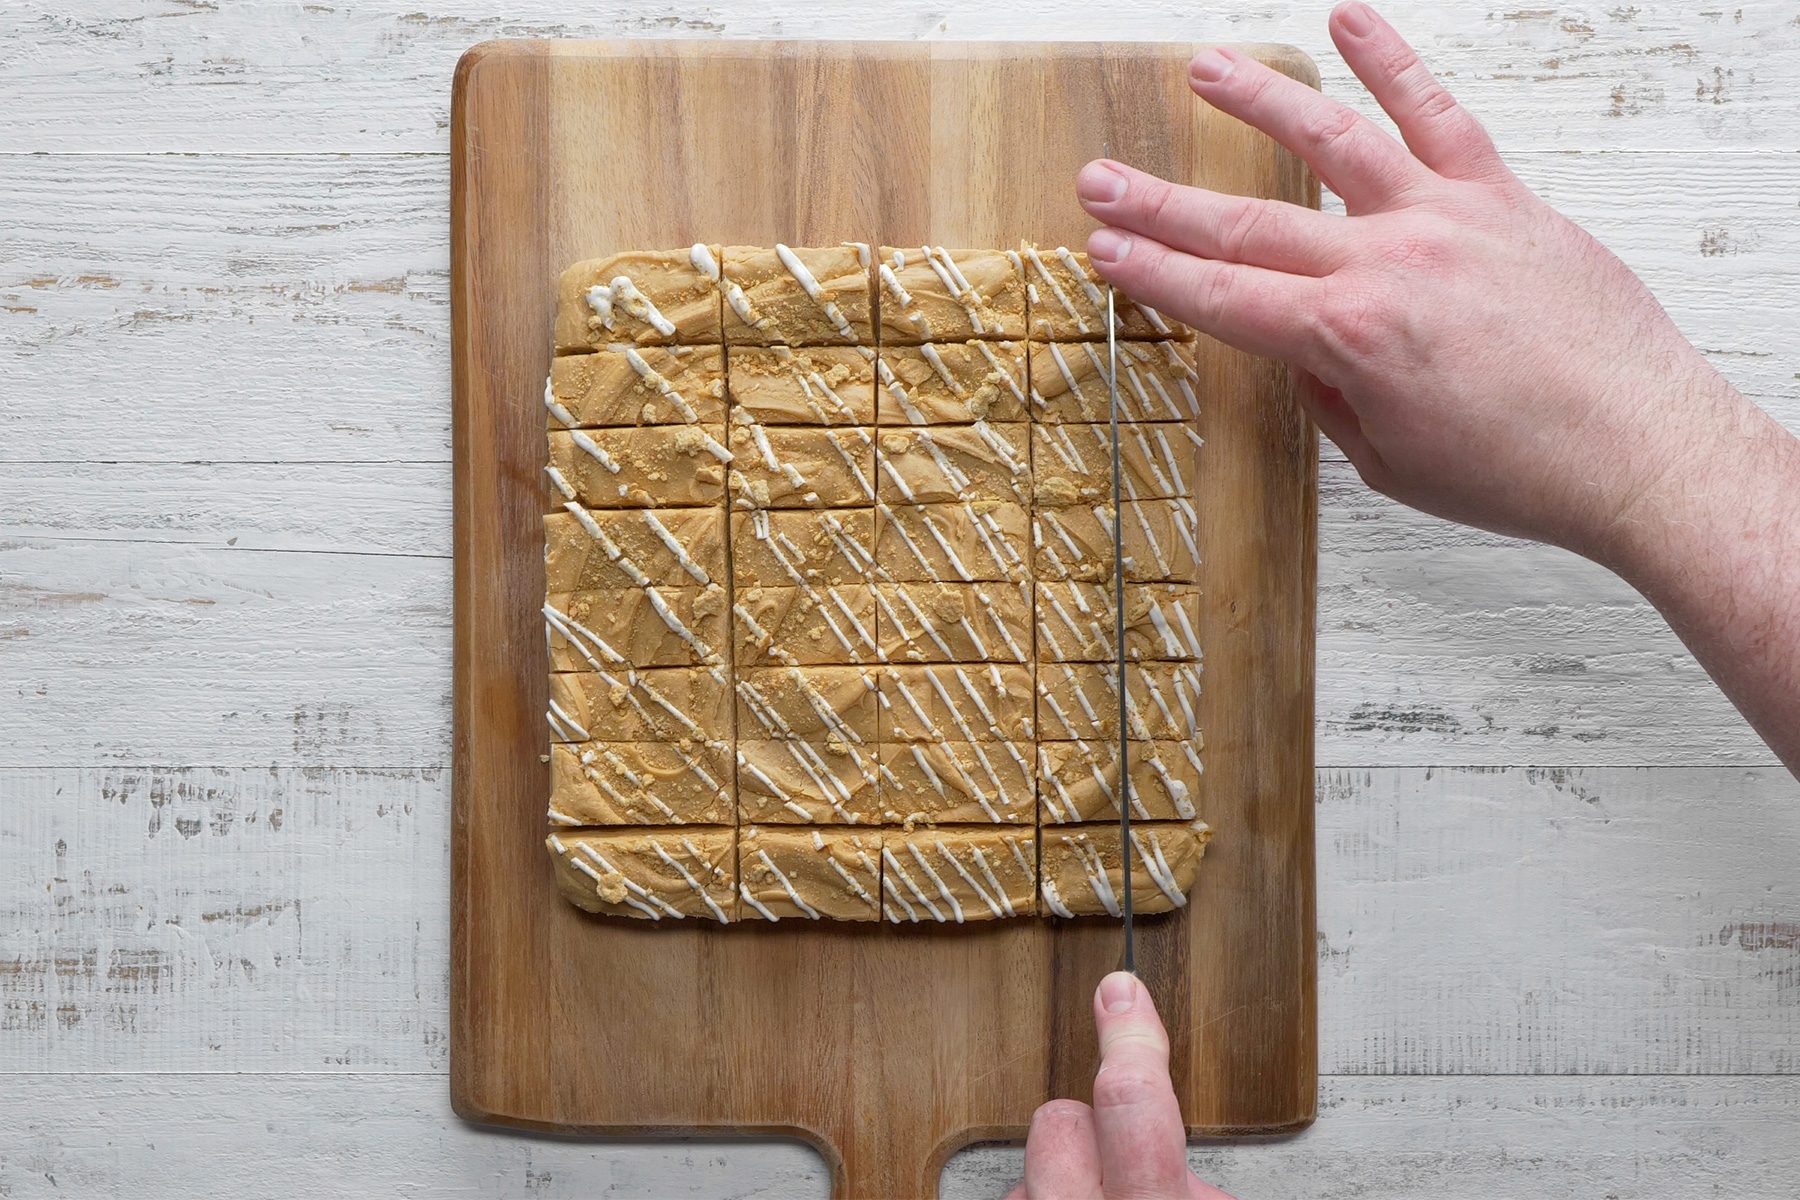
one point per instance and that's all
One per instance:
(1716, 492)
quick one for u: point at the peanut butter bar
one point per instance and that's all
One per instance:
(931, 294)
(647, 297)
(644, 626)
(799, 296)
(1079, 781)
(1083, 869)
(791, 781)
(1068, 301)
(638, 468)
(641, 783)
(966, 542)
(805, 626)
(1075, 622)
(649, 385)
(1073, 462)
(954, 383)
(954, 622)
(951, 875)
(1157, 382)
(956, 783)
(818, 385)
(795, 546)
(687, 706)
(619, 548)
(818, 704)
(654, 874)
(777, 466)
(1161, 539)
(955, 702)
(1080, 701)
(809, 874)
(938, 464)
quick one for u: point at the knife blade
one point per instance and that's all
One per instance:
(1124, 796)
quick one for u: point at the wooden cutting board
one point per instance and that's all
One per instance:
(886, 1048)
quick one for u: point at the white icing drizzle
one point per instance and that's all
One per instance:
(562, 414)
(564, 725)
(664, 388)
(580, 637)
(896, 871)
(586, 443)
(787, 885)
(1056, 290)
(981, 893)
(1095, 296)
(1157, 867)
(682, 557)
(1001, 369)
(702, 257)
(559, 817)
(622, 293)
(937, 880)
(814, 292)
(687, 878)
(753, 902)
(561, 484)
(987, 873)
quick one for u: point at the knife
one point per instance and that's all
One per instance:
(1124, 797)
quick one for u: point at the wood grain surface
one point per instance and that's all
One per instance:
(886, 1049)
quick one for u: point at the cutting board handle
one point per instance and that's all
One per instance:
(904, 1162)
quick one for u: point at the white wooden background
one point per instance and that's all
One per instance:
(1559, 880)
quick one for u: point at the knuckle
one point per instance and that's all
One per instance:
(1128, 1087)
(1241, 226)
(1059, 1114)
(1434, 103)
(1158, 202)
(1331, 124)
(1354, 324)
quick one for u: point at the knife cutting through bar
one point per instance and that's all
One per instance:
(1124, 796)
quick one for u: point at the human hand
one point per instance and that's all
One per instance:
(1131, 1144)
(1473, 353)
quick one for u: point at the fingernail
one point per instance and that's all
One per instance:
(1210, 66)
(1099, 183)
(1119, 992)
(1108, 246)
(1357, 20)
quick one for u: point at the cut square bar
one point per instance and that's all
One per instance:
(819, 385)
(952, 383)
(630, 547)
(954, 622)
(655, 874)
(666, 466)
(794, 546)
(1073, 461)
(1161, 539)
(790, 781)
(947, 703)
(778, 466)
(646, 627)
(1157, 382)
(1080, 701)
(687, 706)
(649, 297)
(811, 874)
(805, 626)
(820, 704)
(1075, 622)
(952, 875)
(1068, 302)
(937, 464)
(967, 542)
(1083, 870)
(930, 294)
(652, 385)
(957, 783)
(1079, 781)
(641, 783)
(798, 296)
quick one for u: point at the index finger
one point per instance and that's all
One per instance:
(1143, 1144)
(1359, 162)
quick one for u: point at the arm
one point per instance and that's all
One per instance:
(1479, 357)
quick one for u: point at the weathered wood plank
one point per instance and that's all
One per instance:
(1392, 1139)
(1500, 1139)
(133, 75)
(292, 919)
(154, 652)
(301, 314)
